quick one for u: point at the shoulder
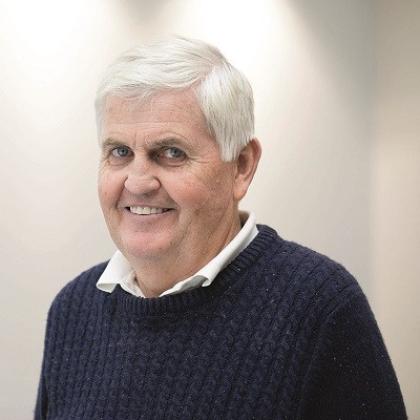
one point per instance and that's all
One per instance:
(306, 274)
(80, 289)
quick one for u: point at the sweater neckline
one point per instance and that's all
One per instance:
(188, 300)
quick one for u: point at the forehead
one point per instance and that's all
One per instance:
(167, 108)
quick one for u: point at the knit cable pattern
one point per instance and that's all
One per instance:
(271, 338)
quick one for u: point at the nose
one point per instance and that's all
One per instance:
(141, 180)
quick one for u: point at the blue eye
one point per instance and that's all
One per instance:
(120, 151)
(173, 153)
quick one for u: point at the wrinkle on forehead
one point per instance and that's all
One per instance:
(163, 107)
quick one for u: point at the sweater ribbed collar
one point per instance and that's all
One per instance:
(228, 279)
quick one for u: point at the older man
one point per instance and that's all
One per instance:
(200, 314)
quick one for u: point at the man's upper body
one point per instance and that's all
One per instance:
(278, 331)
(281, 333)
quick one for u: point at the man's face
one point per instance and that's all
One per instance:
(163, 188)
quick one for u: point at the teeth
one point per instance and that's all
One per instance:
(146, 210)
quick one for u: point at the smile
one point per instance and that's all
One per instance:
(144, 211)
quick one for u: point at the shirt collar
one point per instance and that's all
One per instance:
(119, 270)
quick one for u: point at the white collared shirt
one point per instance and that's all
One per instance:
(119, 270)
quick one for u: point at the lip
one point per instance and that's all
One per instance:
(127, 205)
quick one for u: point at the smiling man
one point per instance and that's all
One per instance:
(200, 313)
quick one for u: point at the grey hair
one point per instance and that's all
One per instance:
(223, 93)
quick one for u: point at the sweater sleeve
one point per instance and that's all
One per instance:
(41, 402)
(41, 406)
(350, 375)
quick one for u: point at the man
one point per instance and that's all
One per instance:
(200, 314)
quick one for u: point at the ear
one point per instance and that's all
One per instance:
(246, 165)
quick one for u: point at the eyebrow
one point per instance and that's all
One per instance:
(109, 142)
(164, 142)
(167, 141)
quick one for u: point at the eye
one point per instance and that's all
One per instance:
(120, 151)
(172, 155)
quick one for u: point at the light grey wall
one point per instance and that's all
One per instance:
(312, 68)
(395, 190)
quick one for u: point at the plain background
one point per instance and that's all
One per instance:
(337, 88)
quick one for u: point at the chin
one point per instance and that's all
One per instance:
(145, 248)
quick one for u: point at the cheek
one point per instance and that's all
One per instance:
(190, 194)
(108, 187)
(220, 183)
(206, 195)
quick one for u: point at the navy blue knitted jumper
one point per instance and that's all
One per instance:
(282, 333)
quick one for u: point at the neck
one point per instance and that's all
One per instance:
(154, 276)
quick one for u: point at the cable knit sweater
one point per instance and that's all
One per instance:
(282, 333)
